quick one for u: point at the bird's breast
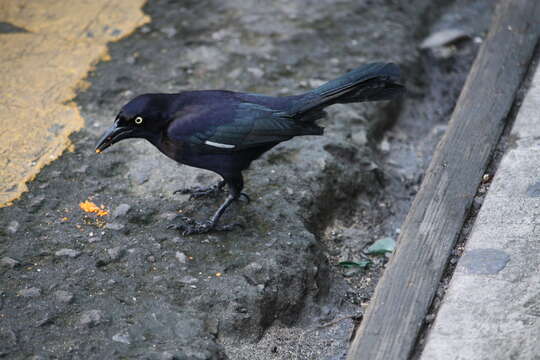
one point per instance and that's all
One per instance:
(172, 149)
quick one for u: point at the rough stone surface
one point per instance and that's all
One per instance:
(30, 292)
(8, 262)
(91, 318)
(67, 253)
(484, 261)
(492, 311)
(64, 296)
(273, 290)
(121, 210)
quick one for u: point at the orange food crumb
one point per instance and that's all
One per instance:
(218, 274)
(98, 151)
(65, 218)
(90, 207)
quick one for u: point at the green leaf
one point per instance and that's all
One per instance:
(354, 264)
(381, 246)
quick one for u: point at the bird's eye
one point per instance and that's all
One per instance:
(138, 120)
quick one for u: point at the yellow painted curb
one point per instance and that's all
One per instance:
(43, 66)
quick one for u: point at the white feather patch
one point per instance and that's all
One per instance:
(218, 145)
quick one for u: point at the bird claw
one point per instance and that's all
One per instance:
(199, 192)
(194, 227)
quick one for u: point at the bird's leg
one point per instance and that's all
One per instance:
(198, 191)
(235, 184)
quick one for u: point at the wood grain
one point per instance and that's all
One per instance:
(404, 294)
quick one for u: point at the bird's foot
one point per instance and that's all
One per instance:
(198, 191)
(191, 226)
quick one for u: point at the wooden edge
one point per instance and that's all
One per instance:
(404, 294)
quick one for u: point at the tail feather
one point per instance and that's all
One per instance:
(371, 82)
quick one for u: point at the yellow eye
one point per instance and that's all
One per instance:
(138, 120)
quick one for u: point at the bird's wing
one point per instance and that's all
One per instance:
(233, 128)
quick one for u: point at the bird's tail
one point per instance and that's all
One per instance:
(371, 82)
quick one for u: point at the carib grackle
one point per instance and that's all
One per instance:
(224, 131)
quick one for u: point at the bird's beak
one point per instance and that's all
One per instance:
(113, 135)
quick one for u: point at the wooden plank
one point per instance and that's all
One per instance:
(403, 296)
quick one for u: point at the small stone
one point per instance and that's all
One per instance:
(181, 257)
(151, 259)
(37, 357)
(189, 280)
(94, 239)
(235, 74)
(170, 31)
(46, 320)
(384, 145)
(443, 38)
(30, 292)
(167, 356)
(91, 318)
(68, 252)
(13, 226)
(212, 326)
(82, 169)
(114, 226)
(315, 83)
(145, 29)
(63, 296)
(122, 338)
(430, 318)
(7, 262)
(258, 73)
(36, 203)
(359, 137)
(169, 216)
(121, 210)
(116, 253)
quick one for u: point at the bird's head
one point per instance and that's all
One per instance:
(143, 117)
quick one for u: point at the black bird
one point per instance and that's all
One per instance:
(224, 131)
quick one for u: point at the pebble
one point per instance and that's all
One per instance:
(116, 253)
(189, 280)
(36, 203)
(68, 252)
(122, 338)
(443, 38)
(170, 31)
(315, 83)
(30, 292)
(13, 227)
(114, 226)
(121, 210)
(63, 296)
(94, 239)
(90, 318)
(169, 216)
(178, 240)
(258, 73)
(360, 138)
(7, 262)
(181, 257)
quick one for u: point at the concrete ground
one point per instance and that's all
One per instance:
(491, 309)
(81, 286)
